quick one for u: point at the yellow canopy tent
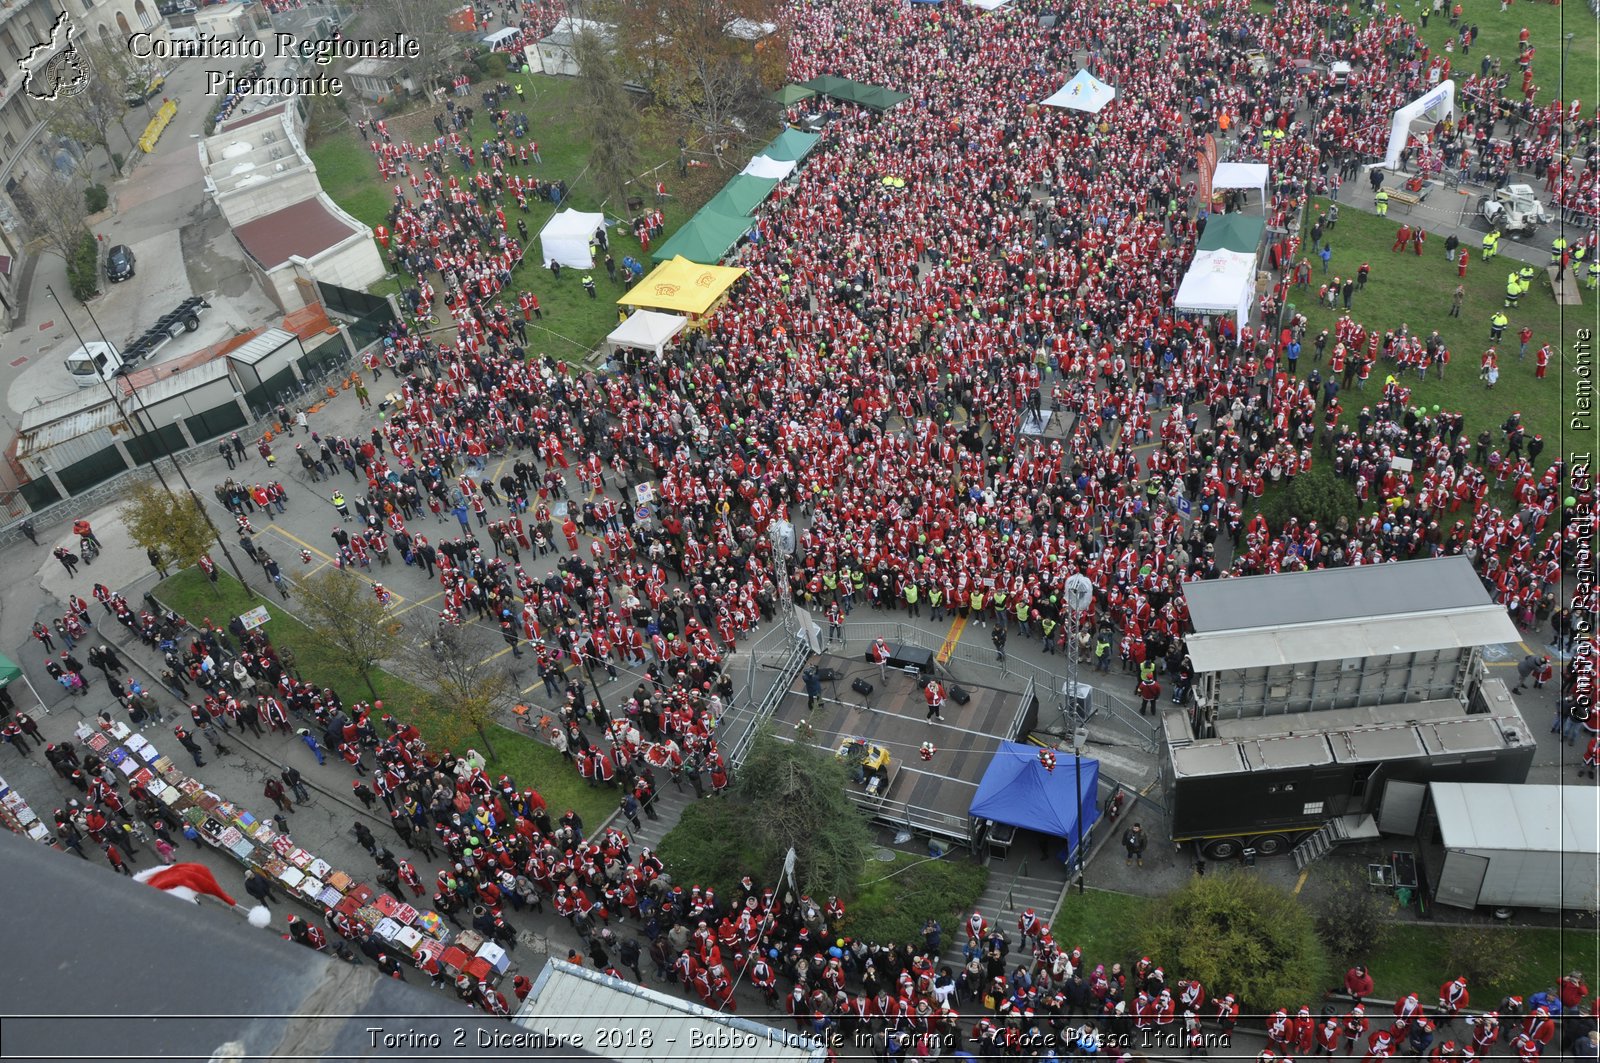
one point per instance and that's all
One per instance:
(683, 287)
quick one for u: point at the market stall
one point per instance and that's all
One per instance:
(413, 936)
(18, 817)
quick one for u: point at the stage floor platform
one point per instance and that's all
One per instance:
(933, 795)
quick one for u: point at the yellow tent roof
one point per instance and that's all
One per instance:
(684, 286)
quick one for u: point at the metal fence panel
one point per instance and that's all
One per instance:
(348, 301)
(96, 468)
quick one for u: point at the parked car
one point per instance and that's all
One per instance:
(119, 263)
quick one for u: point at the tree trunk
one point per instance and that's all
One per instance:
(483, 733)
(366, 677)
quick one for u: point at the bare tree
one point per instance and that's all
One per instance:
(713, 61)
(423, 21)
(89, 116)
(54, 208)
(344, 611)
(466, 689)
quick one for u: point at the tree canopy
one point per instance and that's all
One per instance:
(170, 523)
(796, 797)
(1234, 932)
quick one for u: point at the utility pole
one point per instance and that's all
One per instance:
(178, 468)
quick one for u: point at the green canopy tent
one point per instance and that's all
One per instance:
(704, 238)
(791, 145)
(793, 94)
(878, 98)
(1232, 232)
(741, 195)
(10, 673)
(828, 85)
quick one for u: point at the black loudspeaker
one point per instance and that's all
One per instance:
(861, 686)
(958, 694)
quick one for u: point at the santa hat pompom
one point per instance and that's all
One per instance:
(260, 916)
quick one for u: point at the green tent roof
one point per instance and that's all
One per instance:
(828, 85)
(791, 145)
(1232, 232)
(9, 672)
(874, 96)
(704, 238)
(793, 94)
(879, 98)
(741, 195)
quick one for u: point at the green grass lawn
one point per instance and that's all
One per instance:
(528, 762)
(1104, 924)
(894, 900)
(1404, 288)
(1412, 958)
(573, 324)
(1497, 36)
(350, 177)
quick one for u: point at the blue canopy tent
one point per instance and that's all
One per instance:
(1017, 790)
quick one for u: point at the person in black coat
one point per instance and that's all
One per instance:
(364, 836)
(259, 887)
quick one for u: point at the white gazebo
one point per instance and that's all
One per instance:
(1242, 175)
(1219, 282)
(647, 330)
(565, 238)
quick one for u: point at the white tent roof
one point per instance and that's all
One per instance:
(1219, 282)
(1084, 92)
(1241, 175)
(989, 5)
(647, 330)
(565, 238)
(765, 166)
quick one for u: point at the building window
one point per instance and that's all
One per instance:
(143, 13)
(10, 43)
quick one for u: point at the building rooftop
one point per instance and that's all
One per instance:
(304, 229)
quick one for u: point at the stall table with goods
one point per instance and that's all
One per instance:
(412, 935)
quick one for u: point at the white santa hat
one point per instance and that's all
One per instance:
(189, 881)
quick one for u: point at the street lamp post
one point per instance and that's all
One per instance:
(1080, 738)
(133, 428)
(166, 450)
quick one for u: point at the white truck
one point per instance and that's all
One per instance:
(1511, 846)
(100, 360)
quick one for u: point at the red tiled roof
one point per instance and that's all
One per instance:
(306, 229)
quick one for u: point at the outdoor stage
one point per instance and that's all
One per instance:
(932, 796)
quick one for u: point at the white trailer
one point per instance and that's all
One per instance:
(1517, 846)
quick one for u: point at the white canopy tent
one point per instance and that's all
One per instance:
(1084, 92)
(565, 238)
(989, 5)
(1219, 282)
(647, 330)
(1241, 175)
(768, 167)
(1437, 103)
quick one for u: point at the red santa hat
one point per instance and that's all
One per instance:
(189, 881)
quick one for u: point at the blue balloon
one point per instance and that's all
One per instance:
(1388, 527)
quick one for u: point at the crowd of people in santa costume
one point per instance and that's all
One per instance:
(869, 379)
